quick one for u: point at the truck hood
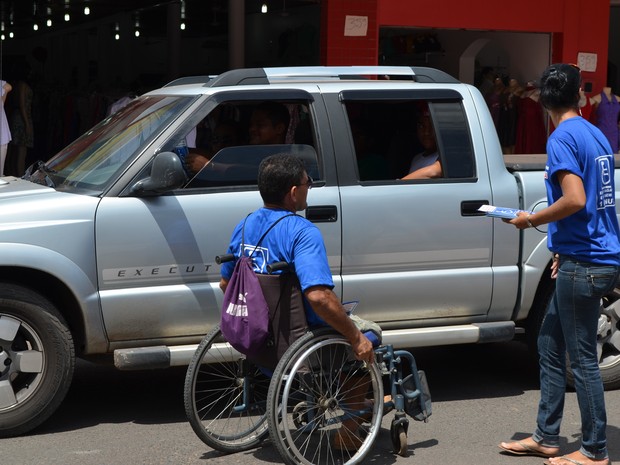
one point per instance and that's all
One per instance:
(11, 187)
(24, 205)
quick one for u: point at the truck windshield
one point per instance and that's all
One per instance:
(97, 158)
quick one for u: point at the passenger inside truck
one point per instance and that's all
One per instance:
(425, 164)
(396, 140)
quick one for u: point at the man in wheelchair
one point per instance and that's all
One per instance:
(283, 184)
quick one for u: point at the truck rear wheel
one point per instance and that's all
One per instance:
(608, 335)
(37, 359)
(608, 341)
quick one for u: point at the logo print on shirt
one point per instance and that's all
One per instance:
(605, 193)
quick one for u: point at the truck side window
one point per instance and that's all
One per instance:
(235, 136)
(408, 140)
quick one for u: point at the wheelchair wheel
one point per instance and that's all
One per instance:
(324, 407)
(225, 396)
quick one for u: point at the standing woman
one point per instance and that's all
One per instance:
(583, 237)
(5, 132)
(20, 121)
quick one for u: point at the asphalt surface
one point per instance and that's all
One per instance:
(481, 395)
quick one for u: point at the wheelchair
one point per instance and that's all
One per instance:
(318, 406)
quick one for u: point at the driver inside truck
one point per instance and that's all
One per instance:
(226, 134)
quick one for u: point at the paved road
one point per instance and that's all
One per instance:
(481, 396)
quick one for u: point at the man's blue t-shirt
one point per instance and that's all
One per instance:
(591, 234)
(294, 240)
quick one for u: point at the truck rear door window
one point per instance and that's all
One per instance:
(410, 140)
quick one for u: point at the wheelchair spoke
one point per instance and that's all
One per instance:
(225, 397)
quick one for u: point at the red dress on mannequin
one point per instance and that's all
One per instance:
(531, 134)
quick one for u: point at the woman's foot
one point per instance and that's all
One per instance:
(528, 447)
(576, 458)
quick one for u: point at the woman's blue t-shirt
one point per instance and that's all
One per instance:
(294, 240)
(591, 234)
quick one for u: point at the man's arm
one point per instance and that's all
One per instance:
(432, 171)
(326, 305)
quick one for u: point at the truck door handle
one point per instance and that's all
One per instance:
(470, 207)
(322, 214)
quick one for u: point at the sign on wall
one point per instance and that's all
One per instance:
(355, 26)
(587, 61)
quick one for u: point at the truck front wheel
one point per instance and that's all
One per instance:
(608, 338)
(37, 359)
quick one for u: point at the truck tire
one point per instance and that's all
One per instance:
(608, 334)
(37, 359)
(608, 341)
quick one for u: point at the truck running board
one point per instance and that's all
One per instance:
(154, 357)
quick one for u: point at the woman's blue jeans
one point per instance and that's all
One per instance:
(570, 327)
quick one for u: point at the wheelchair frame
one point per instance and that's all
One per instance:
(226, 405)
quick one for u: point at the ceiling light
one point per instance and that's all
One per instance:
(67, 17)
(86, 10)
(263, 8)
(182, 25)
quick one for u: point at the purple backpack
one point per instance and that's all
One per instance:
(245, 313)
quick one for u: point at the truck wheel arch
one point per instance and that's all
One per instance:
(53, 289)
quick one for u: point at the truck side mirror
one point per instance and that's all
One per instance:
(167, 173)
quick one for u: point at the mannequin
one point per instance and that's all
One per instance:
(606, 108)
(596, 99)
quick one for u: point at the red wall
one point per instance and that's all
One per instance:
(576, 25)
(338, 49)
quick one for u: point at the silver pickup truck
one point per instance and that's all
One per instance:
(108, 248)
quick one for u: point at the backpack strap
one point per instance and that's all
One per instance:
(264, 234)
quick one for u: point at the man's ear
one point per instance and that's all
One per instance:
(293, 193)
(293, 197)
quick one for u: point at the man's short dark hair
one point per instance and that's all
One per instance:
(277, 174)
(276, 112)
